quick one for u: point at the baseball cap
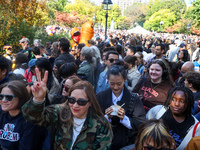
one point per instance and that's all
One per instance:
(31, 63)
(24, 40)
(97, 38)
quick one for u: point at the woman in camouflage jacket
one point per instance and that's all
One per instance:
(79, 122)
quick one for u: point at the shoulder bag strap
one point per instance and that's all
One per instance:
(195, 128)
(188, 137)
(161, 112)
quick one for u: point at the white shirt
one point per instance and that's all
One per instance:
(78, 124)
(126, 121)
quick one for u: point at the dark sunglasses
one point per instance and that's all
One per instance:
(80, 102)
(112, 60)
(152, 148)
(7, 97)
(66, 88)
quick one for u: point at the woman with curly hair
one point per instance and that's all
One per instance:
(153, 89)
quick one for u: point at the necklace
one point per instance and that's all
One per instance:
(78, 123)
(152, 88)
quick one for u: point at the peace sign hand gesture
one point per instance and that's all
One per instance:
(39, 88)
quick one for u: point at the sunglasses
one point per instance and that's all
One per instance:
(7, 97)
(66, 88)
(80, 102)
(112, 60)
(152, 148)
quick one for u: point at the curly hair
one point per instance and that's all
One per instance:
(164, 64)
(193, 78)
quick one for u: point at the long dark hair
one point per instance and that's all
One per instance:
(44, 63)
(94, 109)
(20, 59)
(185, 55)
(189, 98)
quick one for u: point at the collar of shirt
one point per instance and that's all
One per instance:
(116, 99)
(106, 80)
(82, 63)
(133, 69)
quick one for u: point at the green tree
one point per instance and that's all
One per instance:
(136, 13)
(56, 5)
(195, 13)
(113, 14)
(83, 7)
(20, 18)
(164, 15)
(180, 26)
(88, 9)
(123, 23)
(178, 7)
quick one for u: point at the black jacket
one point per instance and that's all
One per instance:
(133, 109)
(67, 57)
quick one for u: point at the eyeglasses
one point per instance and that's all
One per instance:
(7, 97)
(66, 88)
(112, 60)
(80, 102)
(152, 148)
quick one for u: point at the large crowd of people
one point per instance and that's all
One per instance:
(128, 92)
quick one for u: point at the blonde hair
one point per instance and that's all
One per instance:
(155, 130)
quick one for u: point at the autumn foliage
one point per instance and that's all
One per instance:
(14, 13)
(195, 30)
(169, 29)
(70, 19)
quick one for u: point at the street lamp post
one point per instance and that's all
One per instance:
(188, 27)
(106, 6)
(161, 23)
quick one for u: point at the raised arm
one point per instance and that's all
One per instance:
(35, 110)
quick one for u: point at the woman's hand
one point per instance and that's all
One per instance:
(108, 112)
(39, 87)
(121, 113)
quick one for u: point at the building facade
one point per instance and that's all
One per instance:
(123, 4)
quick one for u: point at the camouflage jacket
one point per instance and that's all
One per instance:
(94, 135)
